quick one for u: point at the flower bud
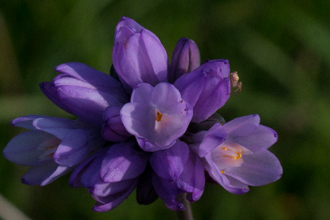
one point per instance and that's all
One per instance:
(185, 59)
(84, 91)
(206, 89)
(138, 55)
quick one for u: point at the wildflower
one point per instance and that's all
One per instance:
(146, 127)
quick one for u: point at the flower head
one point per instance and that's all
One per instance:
(150, 128)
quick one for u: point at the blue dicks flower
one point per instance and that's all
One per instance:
(51, 147)
(84, 91)
(236, 155)
(185, 59)
(148, 128)
(156, 116)
(207, 88)
(138, 55)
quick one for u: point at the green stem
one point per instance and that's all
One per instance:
(187, 213)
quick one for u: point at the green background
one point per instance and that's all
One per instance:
(281, 50)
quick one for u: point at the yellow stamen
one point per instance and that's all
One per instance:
(224, 148)
(239, 155)
(221, 172)
(159, 116)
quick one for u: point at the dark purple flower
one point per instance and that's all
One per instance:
(138, 55)
(84, 91)
(240, 157)
(51, 147)
(156, 116)
(185, 59)
(207, 88)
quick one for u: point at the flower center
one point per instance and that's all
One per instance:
(159, 116)
(229, 155)
(239, 153)
(49, 147)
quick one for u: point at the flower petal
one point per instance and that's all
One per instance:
(167, 191)
(185, 59)
(204, 142)
(259, 168)
(242, 126)
(192, 179)
(207, 88)
(123, 161)
(110, 202)
(169, 163)
(24, 149)
(145, 191)
(262, 137)
(44, 174)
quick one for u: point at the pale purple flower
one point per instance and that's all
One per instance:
(156, 116)
(236, 156)
(52, 146)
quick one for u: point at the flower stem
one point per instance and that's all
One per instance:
(187, 213)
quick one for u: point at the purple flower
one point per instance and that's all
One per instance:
(206, 89)
(51, 147)
(138, 130)
(84, 91)
(185, 59)
(156, 116)
(138, 55)
(236, 156)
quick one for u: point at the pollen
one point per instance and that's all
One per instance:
(159, 116)
(222, 172)
(239, 155)
(224, 148)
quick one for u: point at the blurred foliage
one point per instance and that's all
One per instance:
(281, 50)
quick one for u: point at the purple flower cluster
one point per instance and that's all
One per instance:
(150, 126)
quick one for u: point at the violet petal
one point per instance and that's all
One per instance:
(259, 168)
(185, 59)
(123, 161)
(169, 163)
